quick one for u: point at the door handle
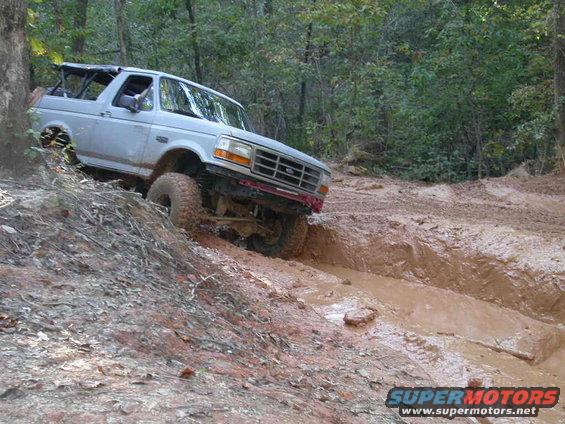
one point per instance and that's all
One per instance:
(107, 113)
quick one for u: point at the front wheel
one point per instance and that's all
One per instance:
(180, 194)
(287, 237)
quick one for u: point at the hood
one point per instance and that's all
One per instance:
(277, 146)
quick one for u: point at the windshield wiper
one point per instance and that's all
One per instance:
(186, 113)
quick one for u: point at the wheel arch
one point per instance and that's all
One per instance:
(55, 130)
(58, 126)
(182, 160)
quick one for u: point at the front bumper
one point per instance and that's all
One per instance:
(250, 183)
(312, 202)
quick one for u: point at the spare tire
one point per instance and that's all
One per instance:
(288, 239)
(180, 194)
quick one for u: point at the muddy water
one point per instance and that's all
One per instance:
(454, 337)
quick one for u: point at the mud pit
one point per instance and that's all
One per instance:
(455, 338)
(468, 279)
(433, 311)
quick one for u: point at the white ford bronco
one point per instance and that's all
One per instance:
(189, 148)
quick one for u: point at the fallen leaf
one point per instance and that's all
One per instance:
(7, 322)
(186, 373)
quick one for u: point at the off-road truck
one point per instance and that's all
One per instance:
(192, 149)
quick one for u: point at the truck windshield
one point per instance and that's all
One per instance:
(185, 99)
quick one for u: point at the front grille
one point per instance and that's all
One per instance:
(286, 170)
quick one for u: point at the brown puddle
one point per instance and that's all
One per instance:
(453, 336)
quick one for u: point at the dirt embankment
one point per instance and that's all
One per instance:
(499, 240)
(108, 314)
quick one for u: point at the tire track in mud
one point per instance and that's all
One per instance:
(443, 258)
(507, 250)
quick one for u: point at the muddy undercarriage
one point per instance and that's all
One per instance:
(274, 225)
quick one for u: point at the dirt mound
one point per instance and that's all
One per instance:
(553, 184)
(108, 313)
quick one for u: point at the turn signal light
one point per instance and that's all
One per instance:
(219, 153)
(324, 189)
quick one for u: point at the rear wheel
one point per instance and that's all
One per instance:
(288, 233)
(180, 194)
(56, 138)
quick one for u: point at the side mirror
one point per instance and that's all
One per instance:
(131, 103)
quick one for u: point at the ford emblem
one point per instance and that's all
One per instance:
(290, 171)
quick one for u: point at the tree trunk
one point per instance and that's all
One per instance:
(194, 41)
(121, 30)
(14, 87)
(303, 83)
(303, 86)
(559, 46)
(58, 16)
(79, 23)
(268, 7)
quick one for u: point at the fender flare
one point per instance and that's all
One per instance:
(177, 148)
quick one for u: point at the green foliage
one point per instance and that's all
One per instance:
(433, 90)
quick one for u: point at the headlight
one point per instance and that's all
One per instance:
(325, 183)
(233, 150)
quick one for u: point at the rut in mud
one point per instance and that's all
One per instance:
(467, 279)
(492, 240)
(454, 337)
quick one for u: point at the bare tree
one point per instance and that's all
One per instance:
(121, 29)
(79, 26)
(14, 86)
(194, 41)
(559, 46)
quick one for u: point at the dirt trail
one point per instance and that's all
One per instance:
(108, 314)
(468, 279)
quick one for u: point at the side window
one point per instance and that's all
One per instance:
(73, 84)
(137, 85)
(168, 97)
(86, 85)
(94, 90)
(176, 97)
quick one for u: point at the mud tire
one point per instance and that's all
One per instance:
(58, 139)
(290, 241)
(181, 195)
